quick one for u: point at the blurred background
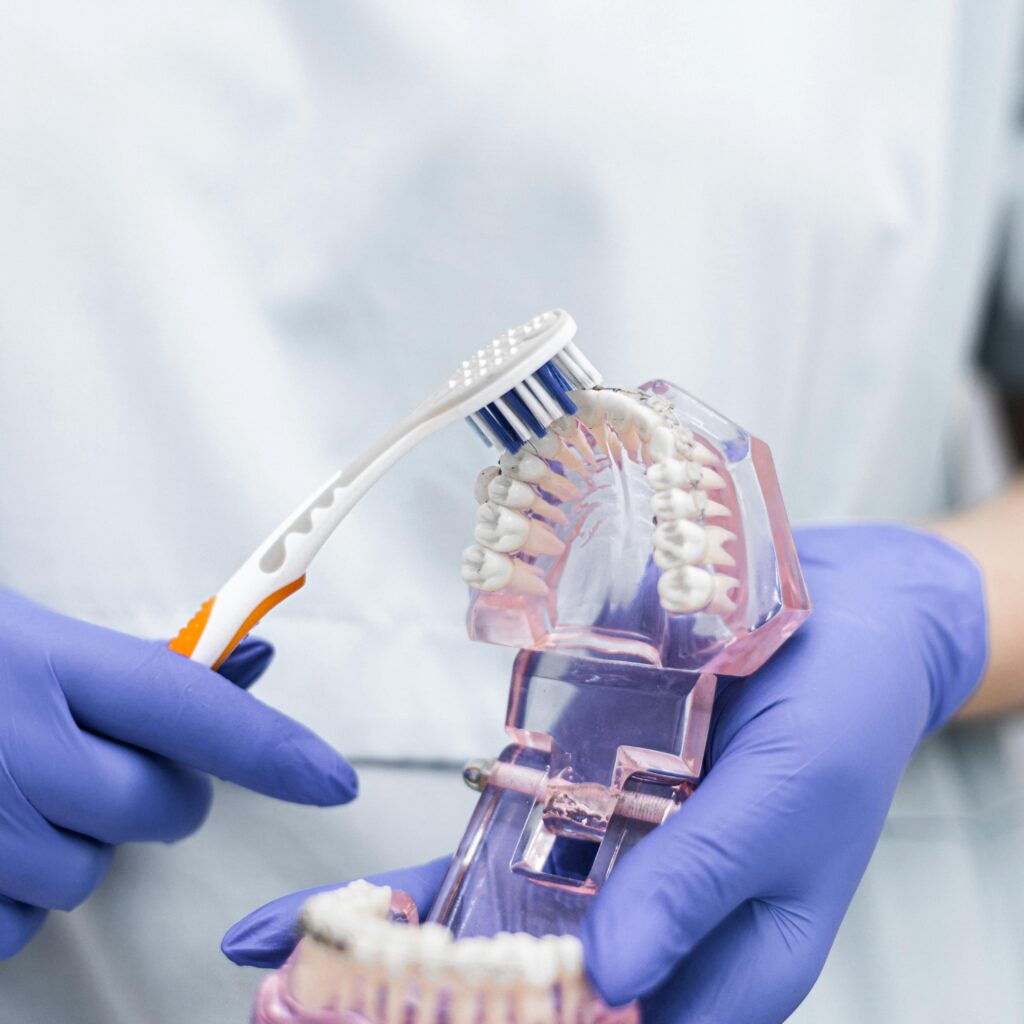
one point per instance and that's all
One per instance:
(238, 240)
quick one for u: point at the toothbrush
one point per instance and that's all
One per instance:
(509, 392)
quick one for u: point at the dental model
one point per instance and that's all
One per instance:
(554, 494)
(635, 548)
(364, 956)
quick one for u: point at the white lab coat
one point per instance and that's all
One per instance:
(239, 240)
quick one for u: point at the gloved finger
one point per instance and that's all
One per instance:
(247, 662)
(142, 693)
(685, 877)
(42, 865)
(18, 924)
(99, 788)
(267, 936)
(755, 968)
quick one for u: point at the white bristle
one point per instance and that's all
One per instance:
(531, 403)
(484, 427)
(576, 377)
(574, 353)
(543, 396)
(524, 432)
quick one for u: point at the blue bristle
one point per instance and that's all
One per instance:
(556, 385)
(522, 410)
(504, 432)
(479, 433)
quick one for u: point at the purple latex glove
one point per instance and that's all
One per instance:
(265, 937)
(727, 912)
(105, 739)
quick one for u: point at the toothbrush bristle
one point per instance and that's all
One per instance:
(528, 409)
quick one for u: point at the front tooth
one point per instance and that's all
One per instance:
(589, 408)
(678, 473)
(621, 411)
(436, 956)
(686, 589)
(483, 480)
(501, 529)
(547, 446)
(678, 542)
(568, 429)
(647, 421)
(550, 447)
(486, 569)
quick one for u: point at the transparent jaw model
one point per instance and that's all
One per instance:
(635, 552)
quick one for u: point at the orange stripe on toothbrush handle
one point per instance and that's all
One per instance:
(188, 639)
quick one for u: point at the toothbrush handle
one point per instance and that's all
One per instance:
(223, 621)
(277, 568)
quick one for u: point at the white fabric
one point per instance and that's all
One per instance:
(239, 239)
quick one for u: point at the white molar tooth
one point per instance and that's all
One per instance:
(670, 473)
(663, 444)
(510, 493)
(506, 530)
(677, 503)
(678, 542)
(501, 529)
(686, 589)
(492, 571)
(532, 469)
(717, 538)
(486, 569)
(483, 480)
(523, 466)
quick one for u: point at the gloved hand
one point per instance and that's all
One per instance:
(727, 911)
(265, 937)
(104, 739)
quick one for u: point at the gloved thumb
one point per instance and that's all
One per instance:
(267, 936)
(247, 662)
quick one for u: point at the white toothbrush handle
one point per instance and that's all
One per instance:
(277, 568)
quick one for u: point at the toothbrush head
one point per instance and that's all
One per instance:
(513, 388)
